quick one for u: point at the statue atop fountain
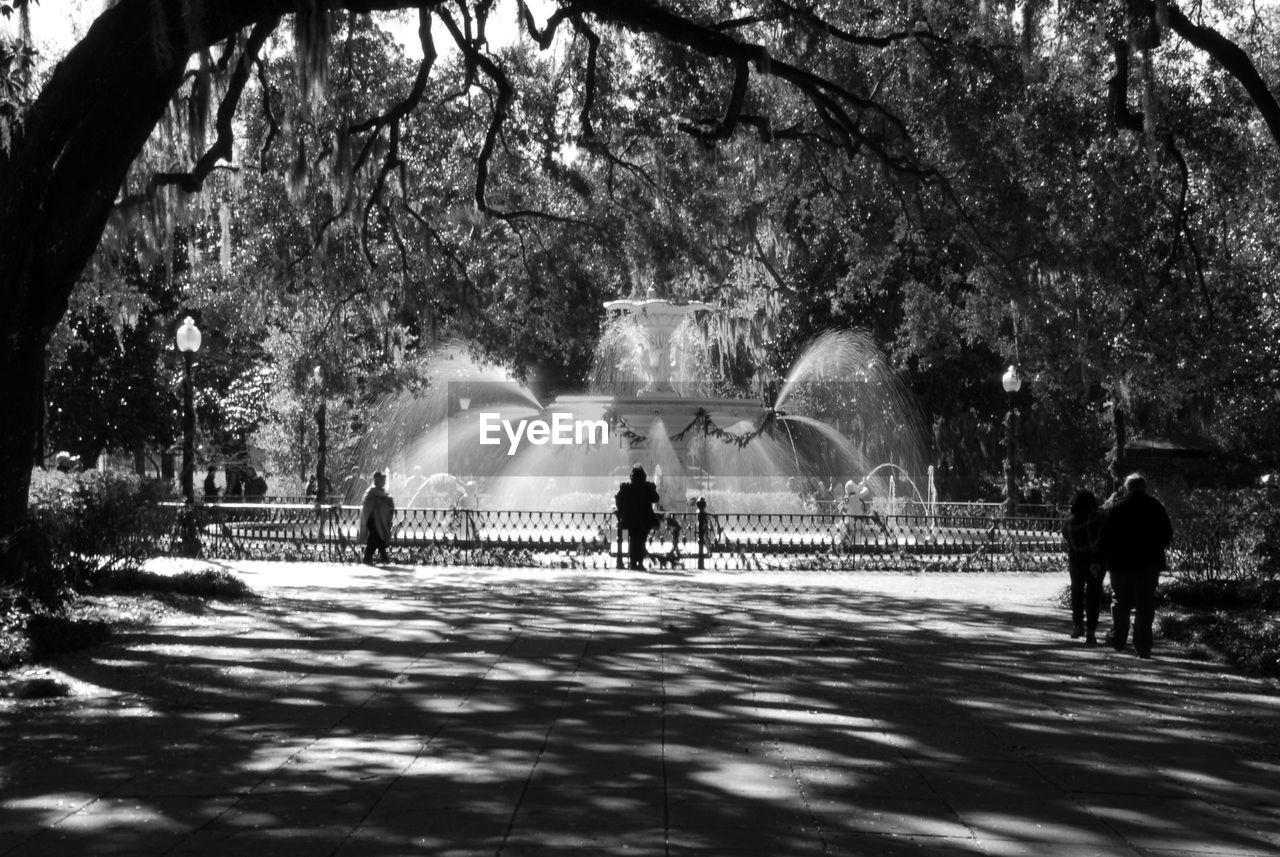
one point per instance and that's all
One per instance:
(659, 318)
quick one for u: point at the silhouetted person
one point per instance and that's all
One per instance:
(1082, 529)
(634, 502)
(255, 486)
(1135, 533)
(210, 485)
(376, 512)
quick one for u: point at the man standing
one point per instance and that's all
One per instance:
(634, 503)
(1135, 533)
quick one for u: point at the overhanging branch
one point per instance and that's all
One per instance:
(501, 106)
(1234, 61)
(222, 147)
(842, 110)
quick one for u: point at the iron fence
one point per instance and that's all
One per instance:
(957, 539)
(963, 537)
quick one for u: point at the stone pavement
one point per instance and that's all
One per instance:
(431, 711)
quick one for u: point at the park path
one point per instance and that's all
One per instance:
(356, 711)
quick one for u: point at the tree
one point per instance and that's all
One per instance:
(780, 71)
(109, 386)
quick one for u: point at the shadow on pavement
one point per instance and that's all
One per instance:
(462, 712)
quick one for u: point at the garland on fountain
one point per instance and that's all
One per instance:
(701, 421)
(623, 430)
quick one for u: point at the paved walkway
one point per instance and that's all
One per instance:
(448, 712)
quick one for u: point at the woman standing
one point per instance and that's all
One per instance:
(1081, 530)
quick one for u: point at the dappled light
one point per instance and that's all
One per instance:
(357, 712)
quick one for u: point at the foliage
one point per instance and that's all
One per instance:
(96, 522)
(108, 385)
(438, 555)
(17, 65)
(1245, 593)
(1231, 535)
(53, 634)
(1248, 638)
(1063, 598)
(1076, 190)
(210, 583)
(1228, 602)
(14, 611)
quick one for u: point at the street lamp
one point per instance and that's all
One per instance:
(322, 435)
(1012, 384)
(188, 339)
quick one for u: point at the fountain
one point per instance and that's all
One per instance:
(841, 413)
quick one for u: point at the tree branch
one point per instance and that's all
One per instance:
(222, 147)
(273, 127)
(589, 83)
(836, 105)
(1233, 60)
(543, 37)
(723, 129)
(1118, 89)
(920, 32)
(414, 98)
(501, 106)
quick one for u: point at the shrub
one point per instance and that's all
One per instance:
(208, 583)
(1249, 639)
(93, 522)
(1235, 535)
(1063, 599)
(51, 634)
(1223, 594)
(14, 610)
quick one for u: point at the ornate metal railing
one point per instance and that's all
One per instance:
(958, 539)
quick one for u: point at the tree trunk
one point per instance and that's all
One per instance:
(60, 179)
(19, 426)
(58, 184)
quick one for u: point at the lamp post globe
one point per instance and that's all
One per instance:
(188, 336)
(1010, 380)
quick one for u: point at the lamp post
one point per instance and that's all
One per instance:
(1012, 384)
(322, 435)
(188, 341)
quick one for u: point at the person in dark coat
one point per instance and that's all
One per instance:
(255, 486)
(377, 510)
(210, 484)
(1082, 529)
(634, 504)
(1135, 533)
